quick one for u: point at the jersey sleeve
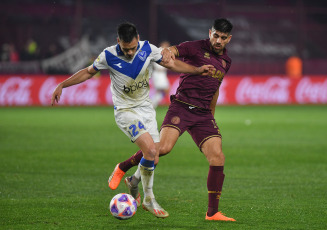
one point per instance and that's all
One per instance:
(100, 62)
(184, 49)
(156, 53)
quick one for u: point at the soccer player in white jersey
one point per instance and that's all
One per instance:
(130, 64)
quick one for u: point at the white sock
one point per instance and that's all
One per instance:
(136, 178)
(147, 175)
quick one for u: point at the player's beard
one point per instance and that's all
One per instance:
(217, 48)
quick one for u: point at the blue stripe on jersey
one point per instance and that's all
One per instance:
(94, 67)
(133, 69)
(159, 60)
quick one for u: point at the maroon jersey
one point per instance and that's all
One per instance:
(199, 90)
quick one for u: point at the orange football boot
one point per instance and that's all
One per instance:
(219, 217)
(115, 177)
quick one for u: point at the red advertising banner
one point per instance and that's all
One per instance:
(36, 90)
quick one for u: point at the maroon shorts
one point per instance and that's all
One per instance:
(199, 123)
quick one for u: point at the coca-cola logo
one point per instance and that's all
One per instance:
(109, 95)
(46, 90)
(311, 92)
(275, 90)
(222, 98)
(174, 87)
(16, 91)
(81, 94)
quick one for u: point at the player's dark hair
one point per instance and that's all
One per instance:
(222, 25)
(127, 32)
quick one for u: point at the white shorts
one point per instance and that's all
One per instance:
(136, 121)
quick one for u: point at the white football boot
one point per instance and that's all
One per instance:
(133, 190)
(151, 205)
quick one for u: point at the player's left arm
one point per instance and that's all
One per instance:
(214, 102)
(182, 67)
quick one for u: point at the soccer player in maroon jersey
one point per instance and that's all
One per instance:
(192, 109)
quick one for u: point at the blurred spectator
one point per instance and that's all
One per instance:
(31, 50)
(160, 80)
(294, 67)
(52, 51)
(9, 53)
(5, 52)
(13, 54)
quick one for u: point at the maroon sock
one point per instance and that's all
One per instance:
(132, 161)
(214, 184)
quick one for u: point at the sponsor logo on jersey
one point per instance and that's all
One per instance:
(137, 85)
(142, 55)
(119, 65)
(219, 75)
(206, 55)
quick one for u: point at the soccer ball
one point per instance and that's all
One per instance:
(123, 206)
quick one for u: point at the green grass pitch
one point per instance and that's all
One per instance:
(55, 162)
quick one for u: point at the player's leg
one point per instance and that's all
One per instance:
(206, 134)
(121, 168)
(168, 136)
(168, 139)
(212, 149)
(146, 167)
(133, 181)
(171, 129)
(133, 122)
(134, 160)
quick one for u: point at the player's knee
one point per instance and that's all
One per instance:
(164, 149)
(153, 152)
(216, 158)
(150, 154)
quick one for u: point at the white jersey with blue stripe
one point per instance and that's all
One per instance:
(129, 77)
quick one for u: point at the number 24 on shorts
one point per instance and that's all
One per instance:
(134, 129)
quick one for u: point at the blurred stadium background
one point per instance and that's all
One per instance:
(43, 38)
(265, 32)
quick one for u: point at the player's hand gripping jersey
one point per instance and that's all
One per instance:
(129, 77)
(198, 90)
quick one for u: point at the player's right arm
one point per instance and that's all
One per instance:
(78, 77)
(182, 67)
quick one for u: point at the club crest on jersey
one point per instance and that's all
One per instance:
(175, 120)
(142, 55)
(206, 55)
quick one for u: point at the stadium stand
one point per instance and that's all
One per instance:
(265, 32)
